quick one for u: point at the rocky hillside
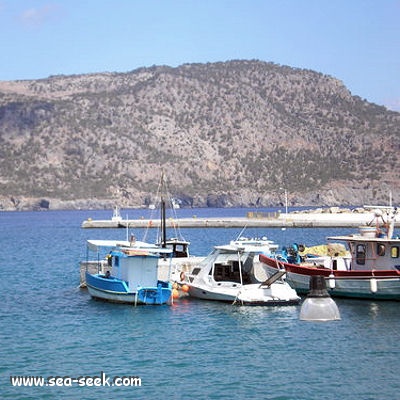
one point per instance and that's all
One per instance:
(229, 133)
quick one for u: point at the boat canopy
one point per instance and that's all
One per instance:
(97, 245)
(225, 257)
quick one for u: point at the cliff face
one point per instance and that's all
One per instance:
(232, 133)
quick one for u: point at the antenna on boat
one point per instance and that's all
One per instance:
(240, 234)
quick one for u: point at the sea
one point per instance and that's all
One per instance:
(58, 343)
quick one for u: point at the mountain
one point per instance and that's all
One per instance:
(234, 133)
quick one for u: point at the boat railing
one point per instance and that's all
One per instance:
(92, 267)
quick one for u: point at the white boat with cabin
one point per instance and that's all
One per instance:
(233, 273)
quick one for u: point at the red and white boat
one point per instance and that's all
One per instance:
(371, 271)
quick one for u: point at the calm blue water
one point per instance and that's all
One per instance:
(194, 349)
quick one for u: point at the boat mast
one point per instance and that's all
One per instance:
(163, 227)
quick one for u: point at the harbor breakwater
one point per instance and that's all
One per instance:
(273, 220)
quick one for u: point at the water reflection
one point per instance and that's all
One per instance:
(373, 310)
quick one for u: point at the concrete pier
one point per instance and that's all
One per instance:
(298, 220)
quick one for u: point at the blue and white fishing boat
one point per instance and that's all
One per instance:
(131, 275)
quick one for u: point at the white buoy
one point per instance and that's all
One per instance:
(373, 285)
(332, 282)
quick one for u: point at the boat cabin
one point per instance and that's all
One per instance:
(371, 251)
(227, 266)
(180, 248)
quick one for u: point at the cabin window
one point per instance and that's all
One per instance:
(227, 272)
(109, 260)
(219, 272)
(179, 250)
(380, 250)
(116, 261)
(394, 252)
(196, 271)
(360, 254)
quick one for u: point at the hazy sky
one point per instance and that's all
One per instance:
(356, 41)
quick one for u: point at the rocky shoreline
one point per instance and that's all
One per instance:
(46, 204)
(141, 200)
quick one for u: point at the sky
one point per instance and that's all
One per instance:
(355, 41)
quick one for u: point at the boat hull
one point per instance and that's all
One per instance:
(373, 285)
(116, 291)
(154, 296)
(277, 294)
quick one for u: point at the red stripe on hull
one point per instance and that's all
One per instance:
(310, 271)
